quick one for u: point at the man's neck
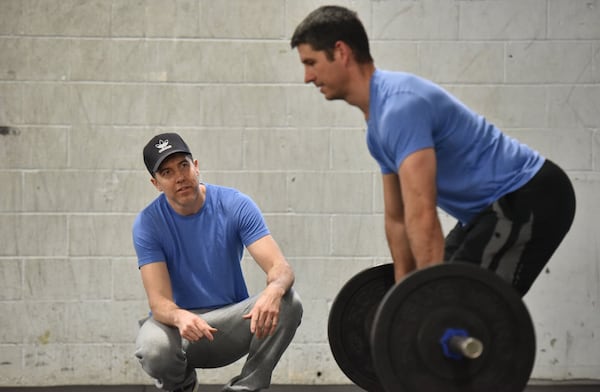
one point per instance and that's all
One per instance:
(359, 92)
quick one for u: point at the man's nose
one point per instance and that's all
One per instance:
(308, 76)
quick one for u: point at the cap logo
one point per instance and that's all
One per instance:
(163, 145)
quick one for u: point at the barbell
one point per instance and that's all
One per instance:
(452, 327)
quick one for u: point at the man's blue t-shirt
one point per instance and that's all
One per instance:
(476, 163)
(202, 251)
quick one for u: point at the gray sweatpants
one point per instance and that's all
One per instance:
(172, 361)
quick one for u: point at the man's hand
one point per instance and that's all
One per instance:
(192, 327)
(264, 316)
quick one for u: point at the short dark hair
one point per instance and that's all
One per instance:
(326, 25)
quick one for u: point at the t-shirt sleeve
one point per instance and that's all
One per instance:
(406, 126)
(145, 242)
(251, 223)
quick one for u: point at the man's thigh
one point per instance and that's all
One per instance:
(231, 341)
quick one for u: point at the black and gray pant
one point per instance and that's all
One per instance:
(516, 236)
(172, 361)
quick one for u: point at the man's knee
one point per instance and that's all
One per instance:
(291, 309)
(156, 347)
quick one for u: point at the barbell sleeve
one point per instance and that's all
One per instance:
(468, 346)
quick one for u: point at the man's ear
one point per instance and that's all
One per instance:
(342, 50)
(197, 167)
(156, 184)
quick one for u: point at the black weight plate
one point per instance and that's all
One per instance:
(414, 314)
(350, 322)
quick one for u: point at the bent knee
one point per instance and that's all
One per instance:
(292, 306)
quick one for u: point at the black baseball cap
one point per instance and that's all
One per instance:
(162, 146)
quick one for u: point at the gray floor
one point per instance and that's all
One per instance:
(279, 388)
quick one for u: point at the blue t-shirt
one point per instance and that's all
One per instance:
(476, 163)
(202, 251)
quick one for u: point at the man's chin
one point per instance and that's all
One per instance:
(330, 97)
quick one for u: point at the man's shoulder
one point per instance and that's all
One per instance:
(224, 193)
(152, 208)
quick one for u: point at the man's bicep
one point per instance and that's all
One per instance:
(155, 277)
(417, 174)
(392, 196)
(266, 252)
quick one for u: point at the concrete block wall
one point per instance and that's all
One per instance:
(85, 83)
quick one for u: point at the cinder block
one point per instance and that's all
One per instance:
(126, 154)
(25, 147)
(11, 279)
(127, 18)
(502, 20)
(101, 235)
(262, 105)
(16, 53)
(67, 364)
(313, 328)
(66, 18)
(462, 62)
(396, 56)
(12, 194)
(330, 192)
(90, 104)
(573, 19)
(596, 150)
(313, 363)
(11, 103)
(358, 235)
(39, 323)
(96, 322)
(270, 62)
(11, 12)
(125, 367)
(216, 105)
(46, 59)
(506, 106)
(596, 62)
(52, 191)
(89, 59)
(175, 18)
(33, 235)
(286, 149)
(214, 148)
(174, 104)
(188, 61)
(128, 60)
(410, 20)
(301, 235)
(307, 107)
(349, 150)
(67, 279)
(232, 19)
(126, 280)
(267, 189)
(549, 62)
(337, 270)
(296, 11)
(570, 148)
(130, 105)
(573, 106)
(47, 103)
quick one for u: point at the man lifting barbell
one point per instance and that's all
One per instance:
(513, 206)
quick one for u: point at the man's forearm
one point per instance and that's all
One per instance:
(281, 276)
(398, 243)
(166, 311)
(426, 239)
